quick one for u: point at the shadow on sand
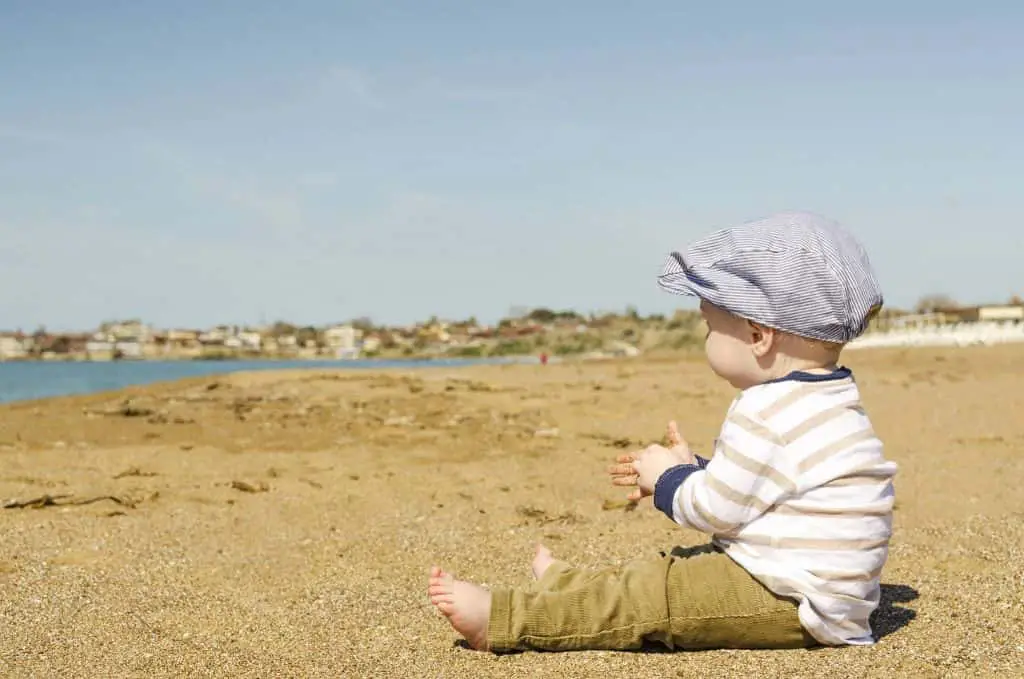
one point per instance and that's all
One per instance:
(890, 616)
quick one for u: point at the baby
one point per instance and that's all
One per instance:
(797, 496)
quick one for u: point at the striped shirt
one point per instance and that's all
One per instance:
(799, 494)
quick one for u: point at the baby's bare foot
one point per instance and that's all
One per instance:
(467, 606)
(541, 560)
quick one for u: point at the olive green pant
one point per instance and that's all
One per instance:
(693, 598)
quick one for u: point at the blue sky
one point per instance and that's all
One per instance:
(198, 162)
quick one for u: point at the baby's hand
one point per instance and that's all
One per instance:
(644, 468)
(650, 465)
(679, 445)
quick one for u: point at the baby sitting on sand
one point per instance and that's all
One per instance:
(797, 497)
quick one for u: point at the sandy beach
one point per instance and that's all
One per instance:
(282, 524)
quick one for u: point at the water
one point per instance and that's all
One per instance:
(22, 381)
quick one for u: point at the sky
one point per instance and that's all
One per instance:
(200, 162)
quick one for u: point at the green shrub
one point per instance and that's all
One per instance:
(516, 347)
(579, 344)
(467, 352)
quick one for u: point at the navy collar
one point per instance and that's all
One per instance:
(840, 373)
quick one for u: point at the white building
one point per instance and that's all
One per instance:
(11, 348)
(250, 340)
(133, 330)
(129, 348)
(99, 346)
(341, 341)
(1007, 312)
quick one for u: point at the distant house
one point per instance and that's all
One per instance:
(182, 342)
(1001, 312)
(99, 348)
(340, 341)
(184, 339)
(983, 313)
(133, 330)
(433, 332)
(914, 320)
(250, 340)
(215, 337)
(12, 347)
(129, 348)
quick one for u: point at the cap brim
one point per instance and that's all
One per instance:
(675, 278)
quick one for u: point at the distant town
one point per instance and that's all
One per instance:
(537, 332)
(540, 331)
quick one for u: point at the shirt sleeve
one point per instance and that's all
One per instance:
(745, 477)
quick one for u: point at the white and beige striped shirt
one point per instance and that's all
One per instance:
(799, 494)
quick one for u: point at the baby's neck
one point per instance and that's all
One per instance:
(786, 365)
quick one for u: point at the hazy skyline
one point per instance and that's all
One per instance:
(317, 161)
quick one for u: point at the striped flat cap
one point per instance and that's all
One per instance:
(795, 271)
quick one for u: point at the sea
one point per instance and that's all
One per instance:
(28, 380)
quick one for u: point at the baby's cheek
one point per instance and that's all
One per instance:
(711, 347)
(718, 355)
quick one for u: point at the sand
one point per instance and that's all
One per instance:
(282, 524)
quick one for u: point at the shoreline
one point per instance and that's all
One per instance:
(280, 359)
(209, 369)
(240, 367)
(262, 358)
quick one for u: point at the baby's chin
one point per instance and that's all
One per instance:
(738, 379)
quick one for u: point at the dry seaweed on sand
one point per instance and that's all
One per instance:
(63, 500)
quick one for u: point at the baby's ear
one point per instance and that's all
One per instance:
(762, 338)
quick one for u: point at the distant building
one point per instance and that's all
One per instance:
(983, 313)
(183, 338)
(182, 342)
(340, 341)
(214, 337)
(12, 347)
(133, 330)
(434, 332)
(129, 348)
(99, 349)
(1003, 312)
(249, 340)
(914, 321)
